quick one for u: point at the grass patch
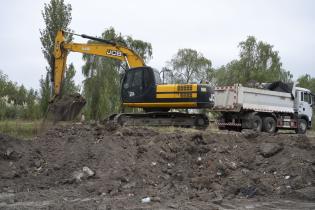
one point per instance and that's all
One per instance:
(20, 129)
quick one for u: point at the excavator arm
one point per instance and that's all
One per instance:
(105, 48)
(69, 106)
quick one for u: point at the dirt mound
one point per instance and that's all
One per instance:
(142, 162)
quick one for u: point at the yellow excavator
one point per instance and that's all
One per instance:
(141, 88)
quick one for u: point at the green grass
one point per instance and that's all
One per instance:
(20, 129)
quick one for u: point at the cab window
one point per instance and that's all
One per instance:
(307, 98)
(137, 79)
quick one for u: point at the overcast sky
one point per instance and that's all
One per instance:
(213, 28)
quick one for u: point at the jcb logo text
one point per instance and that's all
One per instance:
(114, 53)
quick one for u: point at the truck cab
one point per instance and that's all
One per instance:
(303, 104)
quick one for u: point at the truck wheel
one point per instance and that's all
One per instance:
(302, 126)
(256, 123)
(269, 125)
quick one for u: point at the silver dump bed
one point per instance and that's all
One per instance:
(234, 98)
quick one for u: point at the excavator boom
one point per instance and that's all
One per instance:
(105, 49)
(69, 106)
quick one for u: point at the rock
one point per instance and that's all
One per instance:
(56, 167)
(249, 134)
(173, 206)
(88, 171)
(77, 176)
(156, 199)
(146, 200)
(118, 133)
(232, 165)
(307, 193)
(129, 185)
(269, 149)
(248, 192)
(126, 131)
(219, 173)
(9, 152)
(198, 139)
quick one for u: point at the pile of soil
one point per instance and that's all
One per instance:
(137, 163)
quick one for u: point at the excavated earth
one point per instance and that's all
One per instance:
(84, 166)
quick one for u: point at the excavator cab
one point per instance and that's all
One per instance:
(139, 85)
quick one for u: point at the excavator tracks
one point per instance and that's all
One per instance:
(177, 119)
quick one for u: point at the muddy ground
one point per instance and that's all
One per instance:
(84, 166)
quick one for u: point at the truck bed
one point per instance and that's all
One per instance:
(236, 98)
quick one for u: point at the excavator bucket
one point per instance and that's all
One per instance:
(65, 108)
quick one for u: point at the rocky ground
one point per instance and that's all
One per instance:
(84, 166)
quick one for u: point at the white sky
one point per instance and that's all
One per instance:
(213, 28)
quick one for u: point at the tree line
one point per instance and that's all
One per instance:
(258, 62)
(16, 101)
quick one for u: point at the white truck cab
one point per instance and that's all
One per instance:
(303, 104)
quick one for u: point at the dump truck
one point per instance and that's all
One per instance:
(276, 106)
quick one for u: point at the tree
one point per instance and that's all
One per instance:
(68, 85)
(57, 16)
(258, 62)
(102, 84)
(306, 81)
(16, 101)
(21, 95)
(190, 66)
(3, 81)
(44, 94)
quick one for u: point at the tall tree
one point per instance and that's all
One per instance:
(258, 62)
(57, 16)
(103, 75)
(190, 66)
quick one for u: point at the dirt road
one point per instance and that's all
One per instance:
(81, 166)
